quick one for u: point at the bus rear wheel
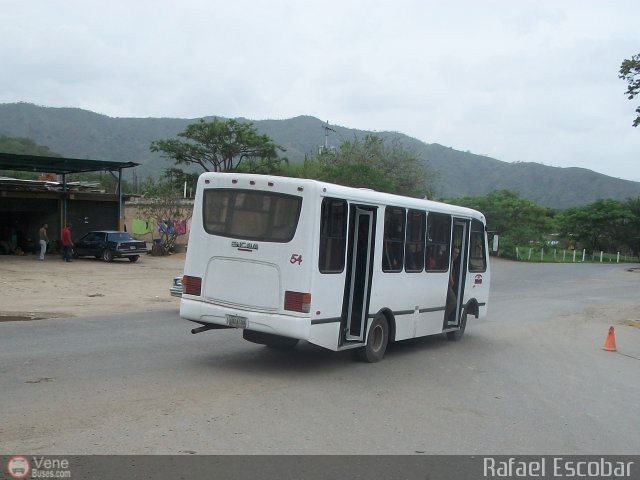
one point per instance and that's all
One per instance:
(377, 340)
(457, 334)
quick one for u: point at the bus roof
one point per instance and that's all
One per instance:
(364, 195)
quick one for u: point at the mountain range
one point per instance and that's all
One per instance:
(77, 133)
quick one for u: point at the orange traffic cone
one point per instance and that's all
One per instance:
(610, 342)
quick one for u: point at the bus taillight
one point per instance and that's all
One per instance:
(297, 301)
(191, 285)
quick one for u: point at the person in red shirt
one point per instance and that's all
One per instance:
(67, 243)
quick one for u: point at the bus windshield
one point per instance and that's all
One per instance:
(251, 214)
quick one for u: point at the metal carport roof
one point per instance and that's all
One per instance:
(61, 165)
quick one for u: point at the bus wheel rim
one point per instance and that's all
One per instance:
(378, 338)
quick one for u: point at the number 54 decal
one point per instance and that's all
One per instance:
(296, 258)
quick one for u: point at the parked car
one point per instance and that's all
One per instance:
(110, 244)
(176, 288)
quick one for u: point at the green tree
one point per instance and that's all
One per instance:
(630, 73)
(631, 229)
(372, 163)
(176, 179)
(601, 225)
(218, 146)
(264, 166)
(23, 146)
(516, 220)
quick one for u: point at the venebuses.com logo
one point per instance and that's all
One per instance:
(18, 467)
(38, 467)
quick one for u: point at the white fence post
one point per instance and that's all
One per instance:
(574, 256)
(618, 259)
(584, 252)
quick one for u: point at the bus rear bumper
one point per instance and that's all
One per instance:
(210, 314)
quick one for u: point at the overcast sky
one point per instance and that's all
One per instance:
(516, 80)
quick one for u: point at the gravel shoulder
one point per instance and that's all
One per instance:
(31, 289)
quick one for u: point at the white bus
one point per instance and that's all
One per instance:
(287, 259)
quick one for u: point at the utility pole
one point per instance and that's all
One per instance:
(327, 129)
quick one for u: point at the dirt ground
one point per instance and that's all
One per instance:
(31, 289)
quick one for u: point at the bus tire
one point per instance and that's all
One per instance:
(269, 339)
(457, 334)
(377, 340)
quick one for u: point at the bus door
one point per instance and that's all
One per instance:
(359, 271)
(457, 273)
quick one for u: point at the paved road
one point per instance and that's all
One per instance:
(532, 378)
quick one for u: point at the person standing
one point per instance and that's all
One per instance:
(44, 239)
(67, 243)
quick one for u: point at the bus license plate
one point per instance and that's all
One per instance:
(236, 321)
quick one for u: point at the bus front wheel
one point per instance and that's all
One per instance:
(377, 340)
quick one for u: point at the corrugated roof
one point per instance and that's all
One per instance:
(35, 163)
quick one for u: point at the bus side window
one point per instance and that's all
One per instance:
(414, 256)
(438, 240)
(477, 253)
(393, 242)
(333, 235)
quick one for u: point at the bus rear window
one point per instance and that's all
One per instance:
(251, 214)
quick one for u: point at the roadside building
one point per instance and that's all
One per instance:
(25, 205)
